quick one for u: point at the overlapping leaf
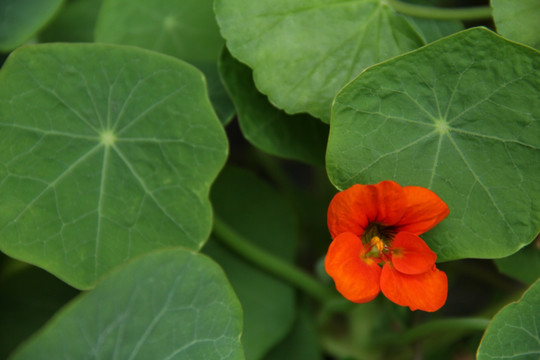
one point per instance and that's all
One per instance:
(303, 51)
(22, 19)
(518, 20)
(168, 305)
(514, 333)
(257, 212)
(460, 117)
(523, 265)
(106, 152)
(75, 22)
(299, 137)
(185, 29)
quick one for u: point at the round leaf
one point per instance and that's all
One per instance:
(460, 117)
(518, 20)
(299, 137)
(514, 332)
(260, 214)
(22, 19)
(107, 152)
(185, 29)
(303, 51)
(167, 305)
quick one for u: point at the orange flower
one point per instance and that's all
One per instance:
(374, 225)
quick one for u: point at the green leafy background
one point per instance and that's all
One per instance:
(299, 137)
(260, 214)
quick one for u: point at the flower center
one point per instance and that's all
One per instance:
(384, 234)
(379, 239)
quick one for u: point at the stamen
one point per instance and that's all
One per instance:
(378, 243)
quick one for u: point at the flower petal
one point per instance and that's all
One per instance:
(424, 210)
(353, 209)
(425, 292)
(411, 255)
(357, 278)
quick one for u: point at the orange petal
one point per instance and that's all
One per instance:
(357, 278)
(352, 210)
(424, 210)
(411, 255)
(425, 292)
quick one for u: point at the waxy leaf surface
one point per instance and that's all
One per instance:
(167, 305)
(514, 332)
(300, 137)
(460, 117)
(107, 152)
(518, 20)
(261, 215)
(303, 51)
(22, 19)
(185, 29)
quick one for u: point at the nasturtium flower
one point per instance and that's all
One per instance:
(376, 246)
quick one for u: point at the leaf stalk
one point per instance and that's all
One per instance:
(270, 263)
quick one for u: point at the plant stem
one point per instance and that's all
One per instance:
(430, 12)
(436, 326)
(270, 263)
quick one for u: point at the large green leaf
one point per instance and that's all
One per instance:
(256, 211)
(299, 137)
(518, 20)
(461, 117)
(303, 51)
(106, 152)
(170, 304)
(22, 19)
(186, 29)
(514, 332)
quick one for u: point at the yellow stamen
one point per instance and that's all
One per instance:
(378, 243)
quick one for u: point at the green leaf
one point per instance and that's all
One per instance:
(303, 51)
(460, 117)
(22, 19)
(185, 29)
(257, 212)
(30, 296)
(298, 137)
(107, 152)
(518, 20)
(523, 265)
(170, 304)
(514, 331)
(75, 23)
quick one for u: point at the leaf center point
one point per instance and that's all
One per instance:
(442, 126)
(108, 138)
